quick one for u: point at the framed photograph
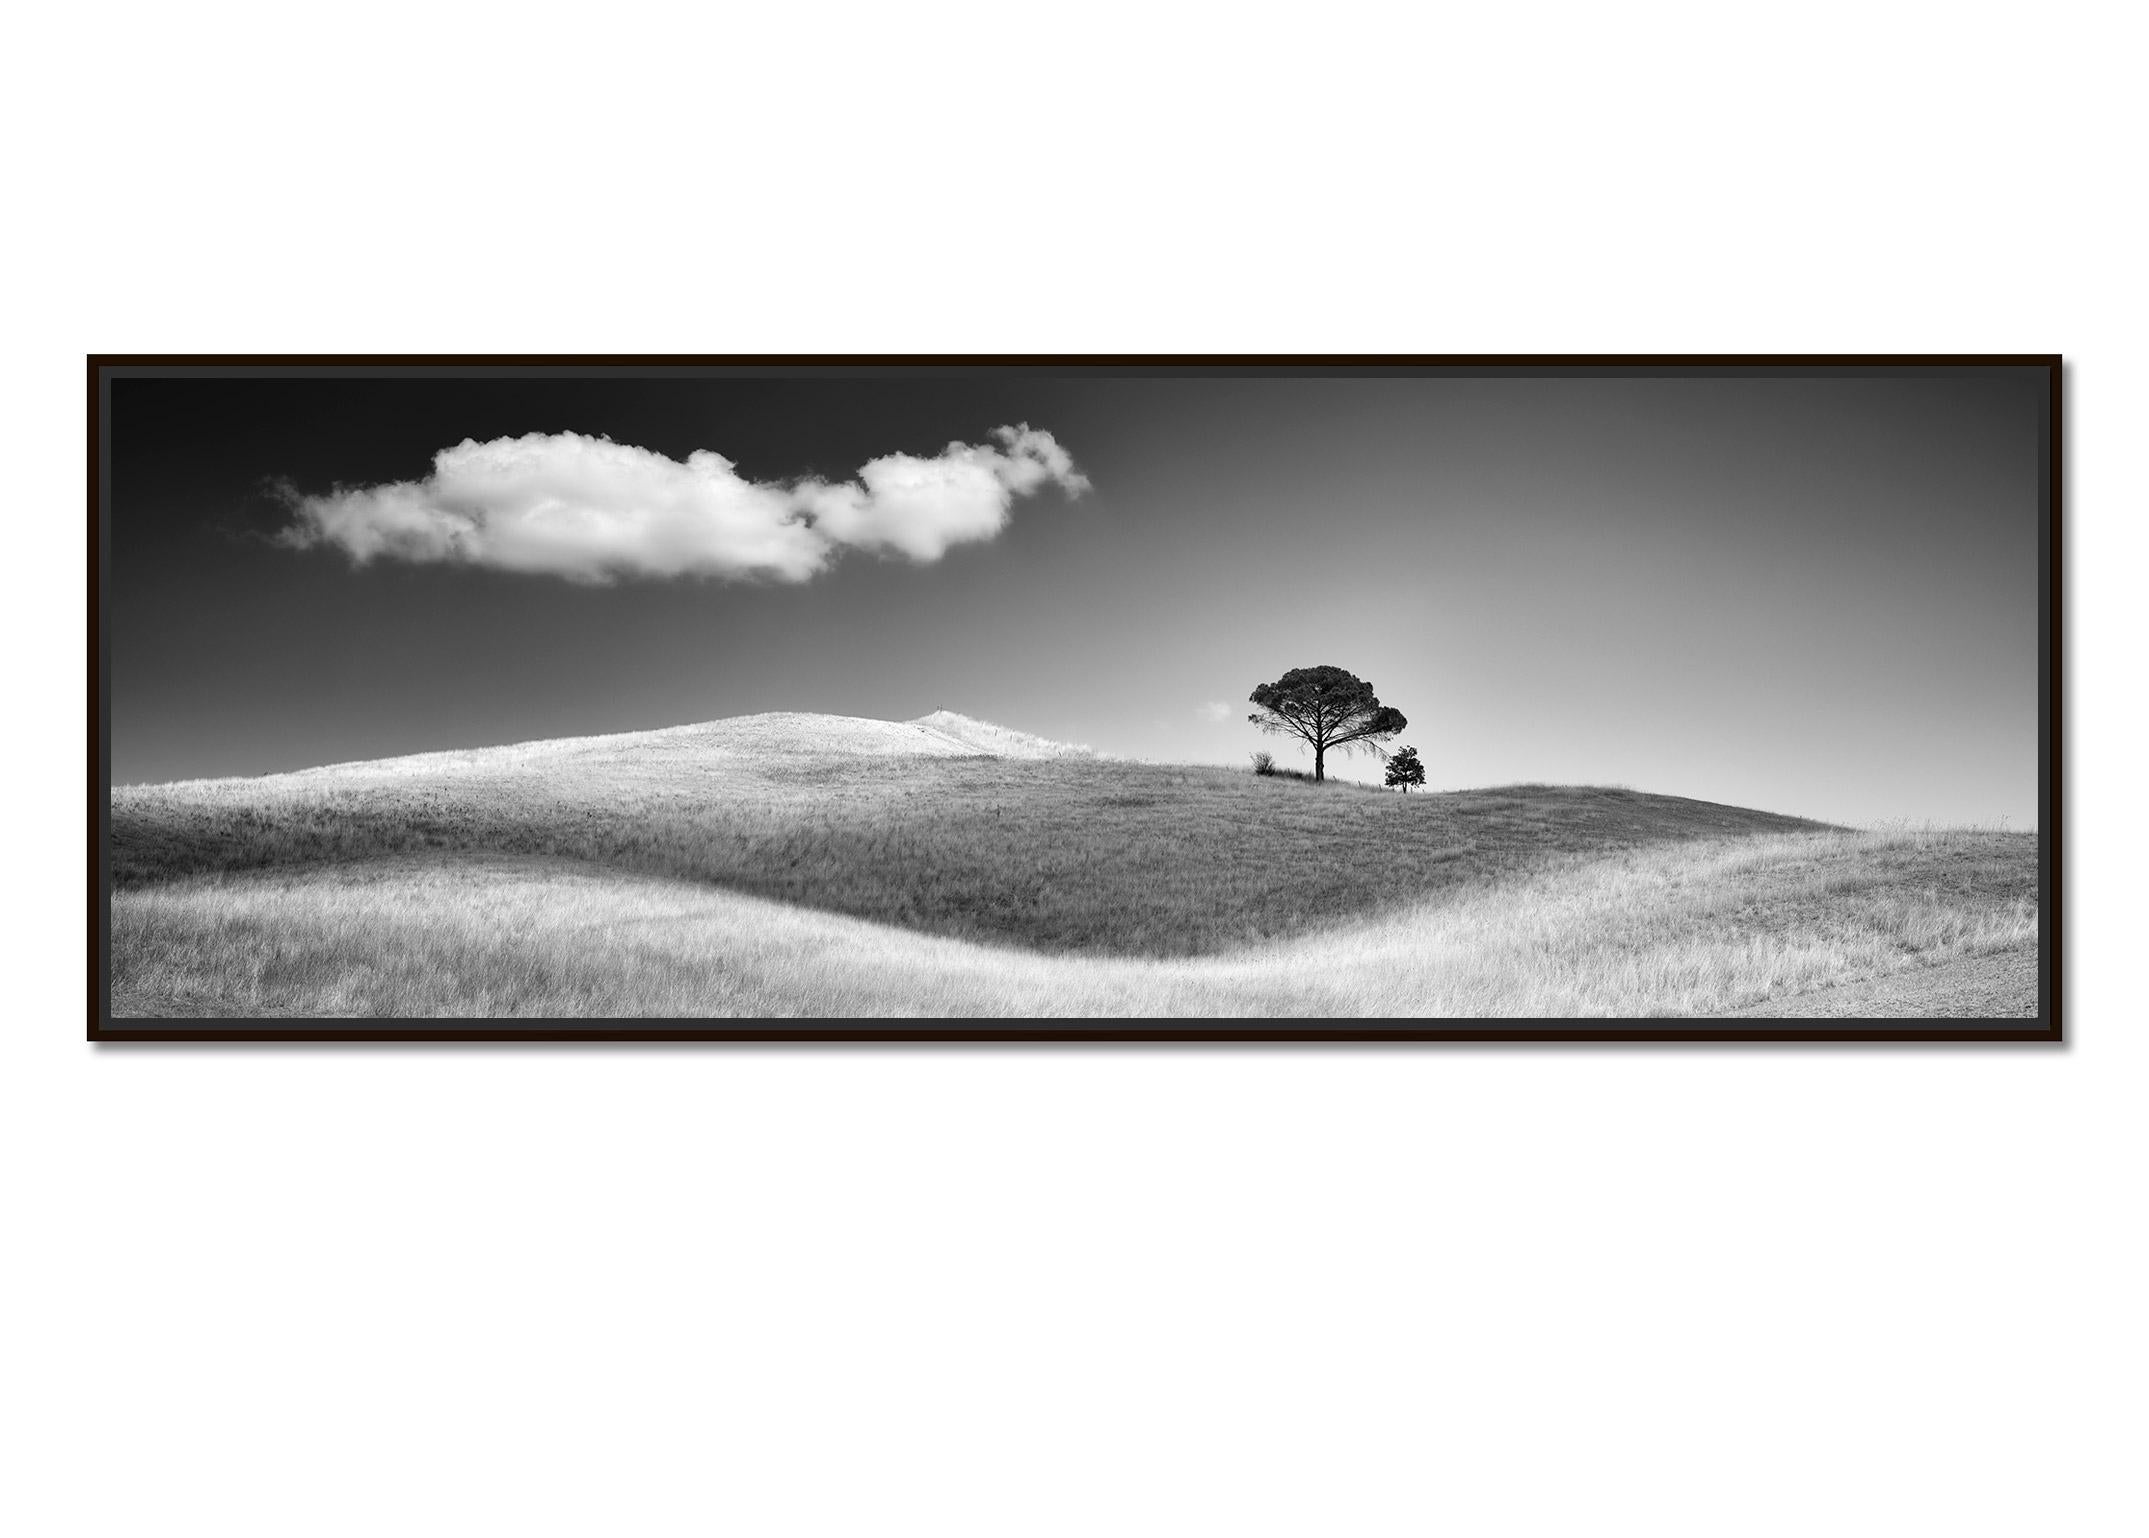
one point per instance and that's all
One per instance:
(1075, 698)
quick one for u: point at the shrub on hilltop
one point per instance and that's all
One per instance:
(1406, 769)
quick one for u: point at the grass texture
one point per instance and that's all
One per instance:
(797, 865)
(1691, 928)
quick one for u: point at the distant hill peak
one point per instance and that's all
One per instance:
(1000, 741)
(769, 736)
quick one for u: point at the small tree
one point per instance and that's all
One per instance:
(1264, 763)
(1328, 708)
(1404, 768)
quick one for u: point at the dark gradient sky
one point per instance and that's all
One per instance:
(1811, 595)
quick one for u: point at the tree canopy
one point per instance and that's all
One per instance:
(1327, 708)
(1405, 768)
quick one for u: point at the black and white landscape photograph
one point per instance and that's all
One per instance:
(1300, 697)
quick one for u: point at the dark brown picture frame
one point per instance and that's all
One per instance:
(2047, 1027)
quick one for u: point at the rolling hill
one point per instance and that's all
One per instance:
(801, 864)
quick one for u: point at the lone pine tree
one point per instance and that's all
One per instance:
(1328, 708)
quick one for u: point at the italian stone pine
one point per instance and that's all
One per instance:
(1327, 708)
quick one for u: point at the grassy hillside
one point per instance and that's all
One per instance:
(1698, 927)
(1069, 854)
(815, 866)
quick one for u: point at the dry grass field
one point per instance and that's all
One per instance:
(808, 866)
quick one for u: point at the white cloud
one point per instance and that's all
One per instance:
(592, 510)
(1215, 710)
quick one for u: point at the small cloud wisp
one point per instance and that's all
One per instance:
(591, 510)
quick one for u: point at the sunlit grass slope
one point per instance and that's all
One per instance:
(1694, 927)
(910, 826)
(814, 865)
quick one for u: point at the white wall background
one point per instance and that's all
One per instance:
(1019, 1292)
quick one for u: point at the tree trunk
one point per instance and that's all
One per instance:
(1319, 749)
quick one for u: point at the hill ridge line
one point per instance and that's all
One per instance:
(801, 732)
